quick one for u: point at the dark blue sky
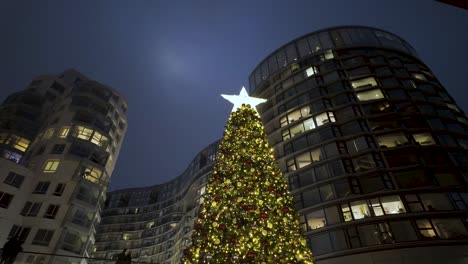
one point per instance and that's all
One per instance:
(173, 59)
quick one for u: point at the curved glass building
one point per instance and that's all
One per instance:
(155, 223)
(372, 145)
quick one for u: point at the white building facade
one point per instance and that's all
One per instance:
(59, 140)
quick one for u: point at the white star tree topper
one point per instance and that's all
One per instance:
(243, 98)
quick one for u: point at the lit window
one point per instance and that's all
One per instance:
(309, 124)
(316, 219)
(303, 159)
(393, 140)
(51, 211)
(360, 209)
(10, 155)
(51, 166)
(424, 139)
(92, 174)
(453, 107)
(201, 191)
(392, 205)
(419, 76)
(63, 133)
(83, 132)
(323, 119)
(366, 82)
(328, 54)
(346, 211)
(20, 143)
(316, 155)
(425, 228)
(99, 139)
(49, 133)
(296, 115)
(297, 129)
(311, 71)
(370, 95)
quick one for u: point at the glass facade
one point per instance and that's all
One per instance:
(372, 145)
(155, 223)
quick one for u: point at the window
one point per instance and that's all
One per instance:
(435, 202)
(370, 95)
(49, 133)
(425, 228)
(92, 174)
(5, 199)
(20, 232)
(43, 237)
(392, 205)
(392, 140)
(20, 143)
(14, 179)
(419, 76)
(364, 163)
(51, 211)
(363, 83)
(311, 71)
(360, 209)
(316, 219)
(31, 209)
(321, 244)
(403, 231)
(51, 166)
(450, 228)
(357, 144)
(58, 149)
(41, 187)
(328, 55)
(59, 189)
(83, 132)
(63, 133)
(412, 179)
(99, 139)
(424, 139)
(10, 155)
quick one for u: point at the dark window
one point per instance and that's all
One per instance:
(412, 179)
(14, 179)
(59, 189)
(403, 231)
(402, 157)
(58, 149)
(52, 211)
(43, 237)
(31, 209)
(5, 199)
(20, 232)
(321, 244)
(41, 187)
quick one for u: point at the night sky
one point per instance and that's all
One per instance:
(173, 59)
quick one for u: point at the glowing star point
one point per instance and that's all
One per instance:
(243, 98)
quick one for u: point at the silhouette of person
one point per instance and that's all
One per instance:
(10, 250)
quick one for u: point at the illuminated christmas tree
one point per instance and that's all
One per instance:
(247, 214)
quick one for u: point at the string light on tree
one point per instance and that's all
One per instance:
(247, 214)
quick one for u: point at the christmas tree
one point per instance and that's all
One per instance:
(247, 214)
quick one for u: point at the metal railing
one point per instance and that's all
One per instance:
(28, 257)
